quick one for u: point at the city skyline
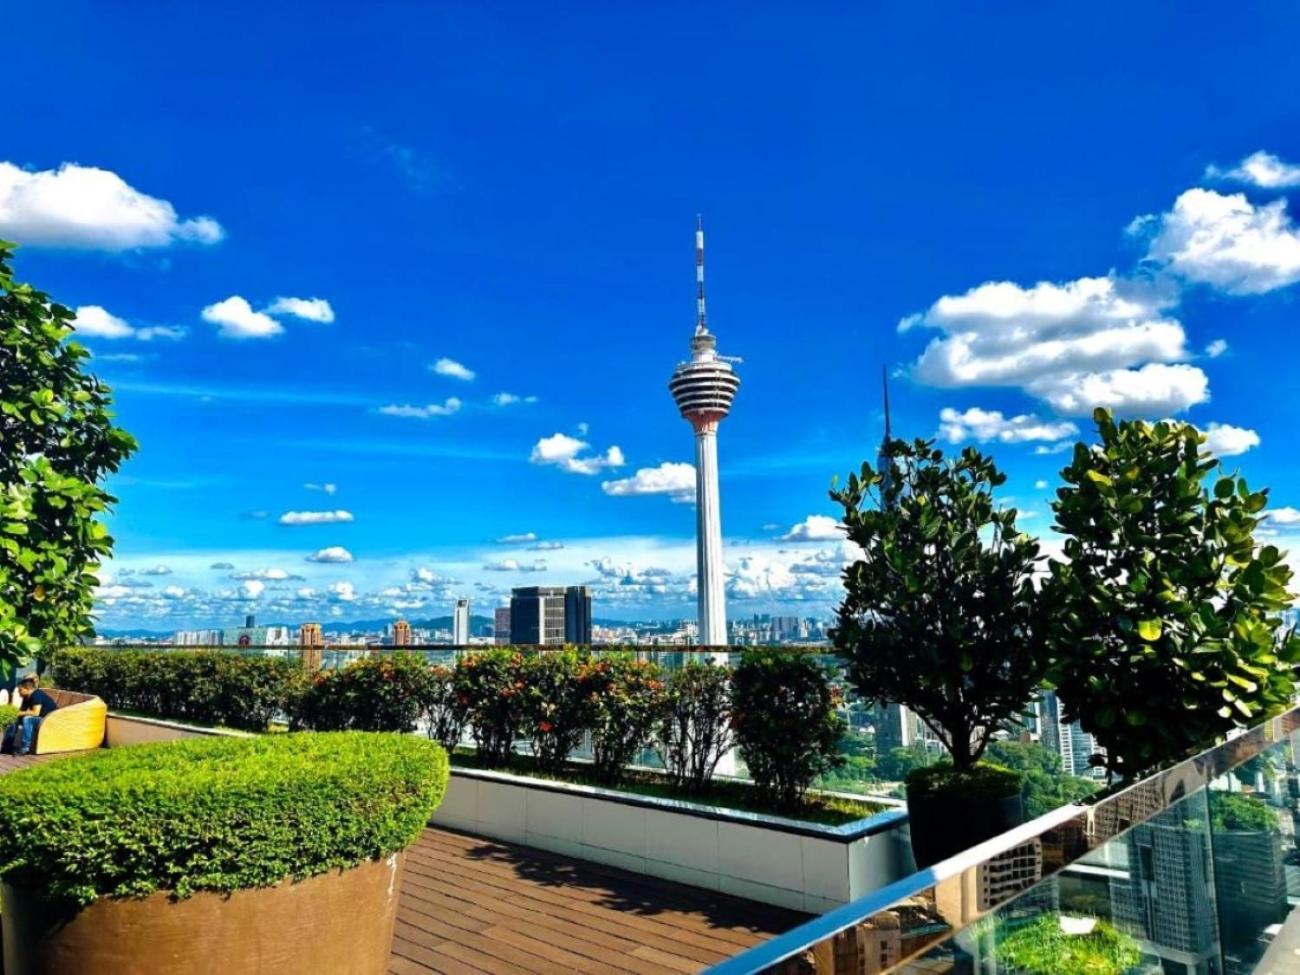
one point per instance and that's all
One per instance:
(381, 355)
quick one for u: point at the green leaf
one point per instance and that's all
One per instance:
(1150, 630)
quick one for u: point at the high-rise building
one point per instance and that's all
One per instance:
(460, 624)
(250, 621)
(704, 389)
(401, 634)
(577, 615)
(550, 615)
(501, 625)
(312, 642)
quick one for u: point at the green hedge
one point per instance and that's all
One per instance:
(7, 714)
(206, 686)
(217, 814)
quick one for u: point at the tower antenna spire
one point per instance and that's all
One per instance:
(701, 316)
(884, 385)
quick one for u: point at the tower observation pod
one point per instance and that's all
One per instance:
(704, 387)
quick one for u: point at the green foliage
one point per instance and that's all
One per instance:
(205, 686)
(941, 612)
(1166, 609)
(489, 686)
(897, 763)
(626, 699)
(1046, 787)
(785, 722)
(444, 714)
(217, 814)
(982, 781)
(388, 693)
(8, 712)
(57, 441)
(555, 705)
(1040, 947)
(1233, 812)
(696, 729)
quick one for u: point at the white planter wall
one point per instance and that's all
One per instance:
(778, 861)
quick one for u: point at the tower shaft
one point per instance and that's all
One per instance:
(710, 575)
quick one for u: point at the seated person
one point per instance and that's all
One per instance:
(34, 706)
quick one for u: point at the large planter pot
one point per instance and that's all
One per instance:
(944, 825)
(338, 923)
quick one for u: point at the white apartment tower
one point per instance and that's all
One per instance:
(460, 624)
(704, 388)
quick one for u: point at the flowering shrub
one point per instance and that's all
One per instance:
(785, 722)
(626, 700)
(555, 708)
(489, 686)
(696, 729)
(442, 709)
(388, 693)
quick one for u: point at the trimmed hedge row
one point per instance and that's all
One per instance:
(777, 707)
(206, 687)
(217, 814)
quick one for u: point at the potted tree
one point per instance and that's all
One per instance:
(265, 853)
(1053, 944)
(1167, 624)
(941, 614)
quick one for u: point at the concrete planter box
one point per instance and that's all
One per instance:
(793, 864)
(123, 730)
(305, 928)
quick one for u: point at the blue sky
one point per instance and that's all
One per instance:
(1022, 212)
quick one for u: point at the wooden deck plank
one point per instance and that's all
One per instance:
(573, 915)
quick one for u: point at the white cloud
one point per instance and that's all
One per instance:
(563, 451)
(546, 547)
(814, 528)
(327, 487)
(514, 565)
(1216, 348)
(1262, 169)
(517, 538)
(252, 588)
(86, 207)
(1225, 241)
(1154, 389)
(1283, 516)
(342, 591)
(756, 576)
(985, 425)
(315, 517)
(311, 309)
(673, 479)
(334, 553)
(447, 408)
(1225, 440)
(427, 577)
(1091, 341)
(95, 321)
(222, 565)
(237, 320)
(510, 399)
(174, 592)
(452, 368)
(1040, 485)
(268, 575)
(156, 570)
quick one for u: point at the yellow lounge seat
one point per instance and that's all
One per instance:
(77, 724)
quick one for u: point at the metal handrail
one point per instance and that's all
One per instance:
(1057, 840)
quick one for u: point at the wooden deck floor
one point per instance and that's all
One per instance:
(474, 906)
(471, 905)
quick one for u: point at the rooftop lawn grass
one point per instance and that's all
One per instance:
(215, 814)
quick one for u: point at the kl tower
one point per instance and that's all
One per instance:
(704, 388)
